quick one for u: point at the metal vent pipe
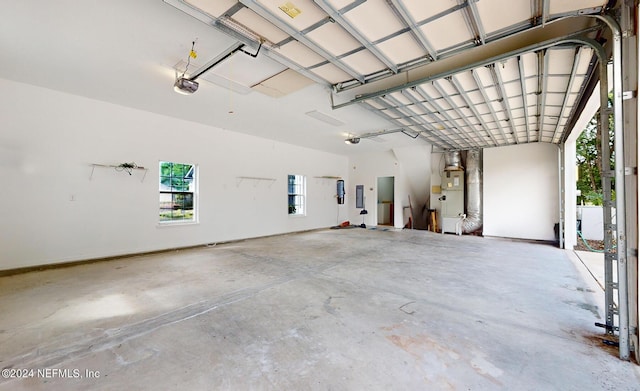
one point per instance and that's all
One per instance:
(452, 161)
(473, 221)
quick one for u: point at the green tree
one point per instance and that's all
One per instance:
(174, 175)
(589, 159)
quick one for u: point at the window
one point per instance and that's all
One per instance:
(297, 191)
(177, 192)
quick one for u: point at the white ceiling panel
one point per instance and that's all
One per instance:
(585, 55)
(577, 84)
(561, 60)
(484, 75)
(338, 4)
(300, 54)
(475, 97)
(459, 103)
(334, 39)
(530, 64)
(508, 70)
(557, 84)
(512, 89)
(331, 73)
(363, 62)
(401, 49)
(465, 80)
(309, 15)
(374, 19)
(445, 86)
(554, 99)
(562, 6)
(375, 104)
(515, 103)
(421, 9)
(213, 8)
(518, 11)
(419, 110)
(448, 31)
(398, 96)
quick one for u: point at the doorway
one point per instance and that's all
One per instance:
(385, 200)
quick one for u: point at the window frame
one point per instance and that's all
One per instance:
(192, 173)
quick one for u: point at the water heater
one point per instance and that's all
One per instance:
(340, 191)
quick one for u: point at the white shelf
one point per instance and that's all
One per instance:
(328, 177)
(118, 168)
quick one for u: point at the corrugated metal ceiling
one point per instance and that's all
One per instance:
(529, 97)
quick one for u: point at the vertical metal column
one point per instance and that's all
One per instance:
(607, 204)
(619, 228)
(561, 175)
(629, 32)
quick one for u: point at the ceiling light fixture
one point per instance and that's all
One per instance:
(352, 140)
(290, 9)
(324, 118)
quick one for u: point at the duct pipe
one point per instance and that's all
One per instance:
(473, 221)
(452, 161)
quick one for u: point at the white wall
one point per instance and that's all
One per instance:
(364, 170)
(415, 163)
(520, 185)
(52, 212)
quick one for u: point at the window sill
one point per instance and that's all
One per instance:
(163, 224)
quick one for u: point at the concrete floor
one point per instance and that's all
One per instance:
(351, 309)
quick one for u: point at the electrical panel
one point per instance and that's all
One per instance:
(453, 180)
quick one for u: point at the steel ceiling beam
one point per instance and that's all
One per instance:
(233, 9)
(545, 12)
(543, 68)
(571, 40)
(397, 109)
(440, 112)
(497, 80)
(572, 77)
(487, 101)
(472, 18)
(345, 24)
(455, 108)
(454, 125)
(450, 140)
(405, 17)
(266, 14)
(432, 115)
(401, 126)
(525, 105)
